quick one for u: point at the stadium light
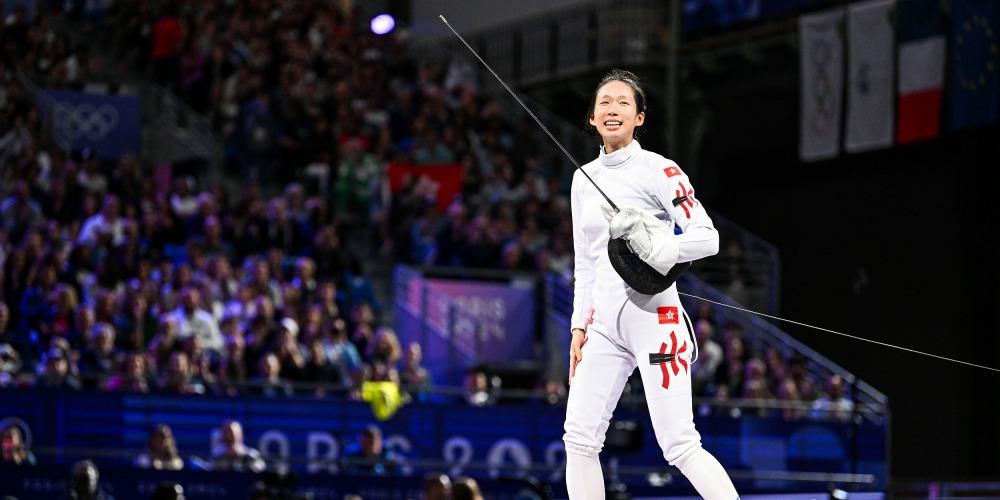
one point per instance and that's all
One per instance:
(382, 24)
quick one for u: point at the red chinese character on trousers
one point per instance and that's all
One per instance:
(675, 359)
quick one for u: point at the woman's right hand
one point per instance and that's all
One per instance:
(576, 351)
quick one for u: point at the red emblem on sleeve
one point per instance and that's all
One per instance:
(688, 203)
(668, 314)
(672, 171)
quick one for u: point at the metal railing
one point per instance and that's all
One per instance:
(173, 132)
(747, 268)
(760, 333)
(47, 106)
(568, 41)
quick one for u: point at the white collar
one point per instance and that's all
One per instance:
(621, 156)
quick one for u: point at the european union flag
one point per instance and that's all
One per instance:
(975, 57)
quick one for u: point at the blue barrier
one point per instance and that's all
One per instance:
(49, 481)
(510, 439)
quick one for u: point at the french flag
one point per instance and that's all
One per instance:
(921, 62)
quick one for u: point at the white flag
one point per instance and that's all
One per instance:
(822, 85)
(871, 86)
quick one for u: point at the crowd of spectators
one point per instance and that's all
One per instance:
(115, 280)
(766, 381)
(307, 92)
(112, 280)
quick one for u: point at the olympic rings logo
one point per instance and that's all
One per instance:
(85, 120)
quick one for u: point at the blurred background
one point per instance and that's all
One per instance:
(314, 249)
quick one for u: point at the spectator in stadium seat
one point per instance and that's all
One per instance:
(320, 371)
(256, 135)
(269, 380)
(330, 254)
(217, 249)
(341, 351)
(757, 397)
(193, 320)
(710, 356)
(181, 276)
(776, 366)
(85, 482)
(289, 352)
(183, 198)
(201, 361)
(263, 285)
(177, 377)
(161, 450)
(279, 231)
(165, 343)
(104, 226)
(304, 278)
(98, 359)
(232, 454)
(480, 388)
(357, 171)
(330, 300)
(415, 377)
(515, 257)
(437, 486)
(133, 375)
(167, 40)
(368, 454)
(13, 449)
(732, 370)
(232, 374)
(314, 323)
(362, 334)
(720, 398)
(168, 490)
(55, 372)
(134, 321)
(466, 488)
(430, 150)
(10, 365)
(20, 212)
(554, 391)
(5, 330)
(808, 389)
(834, 405)
(384, 347)
(788, 393)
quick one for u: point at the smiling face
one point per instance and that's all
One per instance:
(615, 115)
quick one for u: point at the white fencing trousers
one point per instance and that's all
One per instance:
(609, 358)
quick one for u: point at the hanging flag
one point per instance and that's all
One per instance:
(871, 91)
(821, 87)
(921, 70)
(975, 59)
